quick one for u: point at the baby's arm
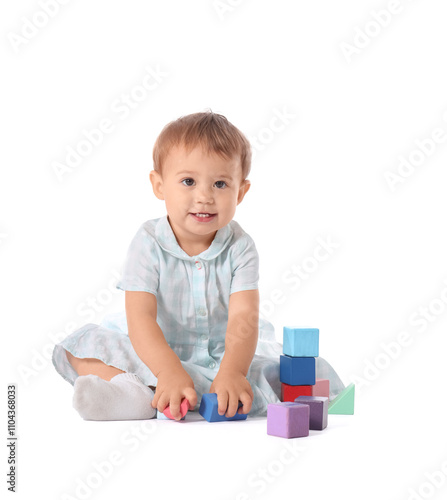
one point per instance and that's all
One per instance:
(231, 384)
(149, 343)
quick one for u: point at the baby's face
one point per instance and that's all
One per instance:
(201, 193)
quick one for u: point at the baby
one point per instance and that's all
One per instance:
(191, 324)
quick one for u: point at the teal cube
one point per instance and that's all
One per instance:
(301, 342)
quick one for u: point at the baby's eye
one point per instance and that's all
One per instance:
(220, 184)
(188, 182)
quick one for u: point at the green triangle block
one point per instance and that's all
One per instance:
(343, 404)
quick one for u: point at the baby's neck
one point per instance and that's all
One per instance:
(194, 249)
(192, 244)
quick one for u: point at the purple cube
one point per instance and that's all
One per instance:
(318, 407)
(288, 420)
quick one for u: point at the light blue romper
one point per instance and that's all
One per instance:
(192, 294)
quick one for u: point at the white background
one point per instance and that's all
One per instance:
(351, 117)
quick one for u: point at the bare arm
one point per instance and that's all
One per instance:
(149, 343)
(241, 339)
(145, 335)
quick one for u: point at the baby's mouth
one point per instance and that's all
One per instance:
(203, 216)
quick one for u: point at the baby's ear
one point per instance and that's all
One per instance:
(157, 184)
(245, 186)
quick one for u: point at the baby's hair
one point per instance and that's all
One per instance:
(207, 129)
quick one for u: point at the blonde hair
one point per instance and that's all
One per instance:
(207, 129)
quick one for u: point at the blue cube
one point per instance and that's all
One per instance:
(297, 371)
(208, 410)
(301, 342)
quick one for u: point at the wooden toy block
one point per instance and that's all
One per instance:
(297, 371)
(301, 342)
(291, 392)
(208, 410)
(343, 404)
(321, 388)
(162, 416)
(184, 407)
(318, 407)
(288, 420)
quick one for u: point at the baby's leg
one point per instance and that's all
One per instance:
(103, 392)
(91, 366)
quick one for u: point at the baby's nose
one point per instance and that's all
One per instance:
(204, 194)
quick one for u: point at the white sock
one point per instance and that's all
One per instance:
(124, 397)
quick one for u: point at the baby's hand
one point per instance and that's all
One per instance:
(231, 387)
(172, 386)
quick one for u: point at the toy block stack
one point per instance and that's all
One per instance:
(304, 402)
(298, 364)
(304, 398)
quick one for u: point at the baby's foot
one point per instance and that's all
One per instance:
(124, 397)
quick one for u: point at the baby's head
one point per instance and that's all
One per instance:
(210, 131)
(201, 164)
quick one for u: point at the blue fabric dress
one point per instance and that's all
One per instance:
(192, 294)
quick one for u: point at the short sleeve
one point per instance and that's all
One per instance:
(245, 265)
(141, 268)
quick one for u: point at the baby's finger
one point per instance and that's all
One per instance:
(222, 403)
(246, 401)
(174, 407)
(191, 396)
(232, 406)
(163, 402)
